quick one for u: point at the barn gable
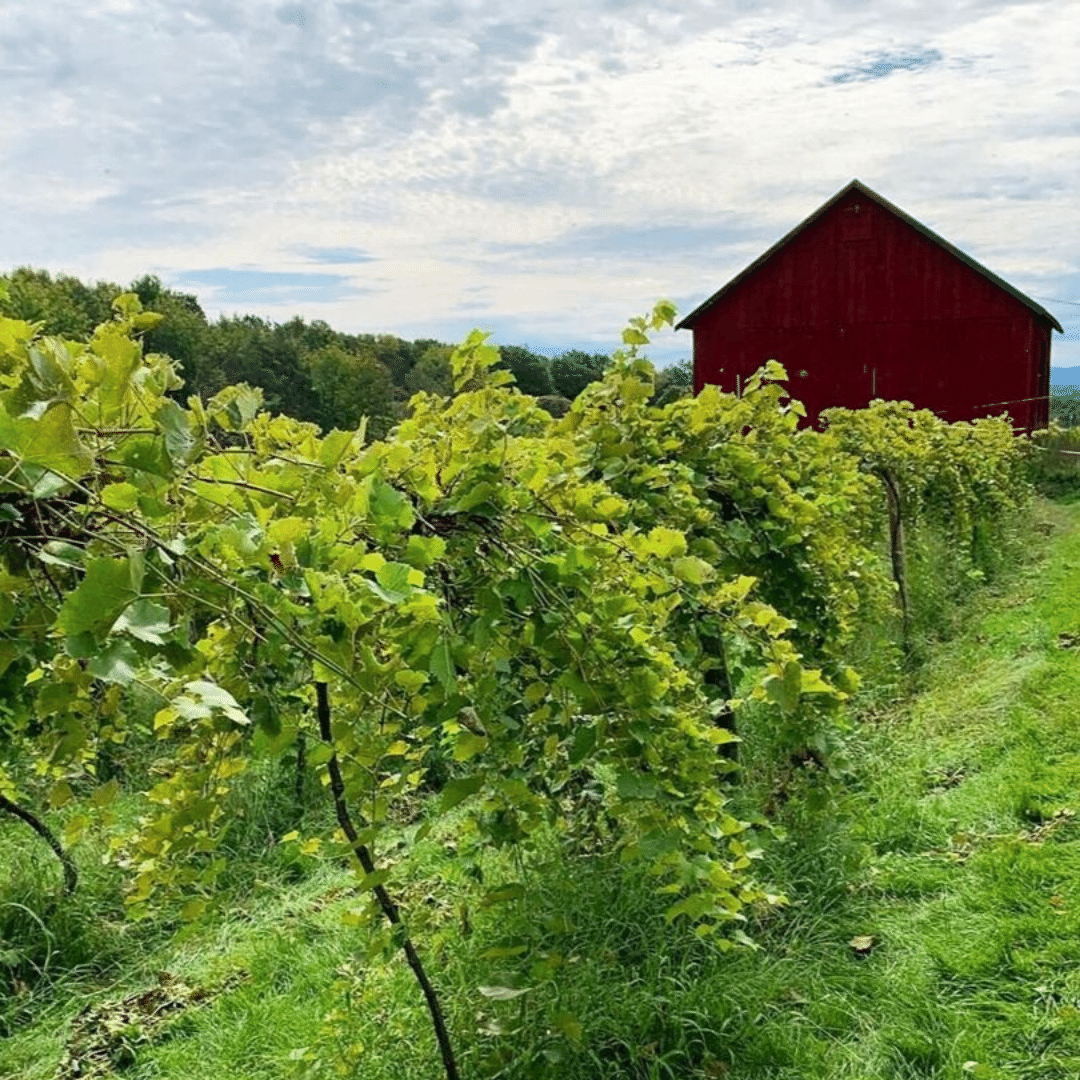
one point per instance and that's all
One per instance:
(860, 301)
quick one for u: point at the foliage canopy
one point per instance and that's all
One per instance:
(543, 602)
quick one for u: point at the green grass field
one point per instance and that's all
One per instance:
(933, 928)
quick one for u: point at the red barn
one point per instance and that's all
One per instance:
(862, 301)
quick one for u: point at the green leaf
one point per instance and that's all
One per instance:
(583, 744)
(144, 620)
(190, 708)
(630, 785)
(393, 582)
(183, 441)
(109, 586)
(263, 711)
(60, 795)
(334, 447)
(216, 697)
(117, 664)
(320, 754)
(472, 359)
(192, 910)
(459, 789)
(503, 993)
(287, 530)
(120, 496)
(117, 359)
(410, 681)
(656, 843)
(473, 496)
(127, 305)
(61, 553)
(48, 448)
(422, 551)
(442, 665)
(200, 699)
(633, 389)
(692, 570)
(236, 406)
(664, 542)
(389, 508)
(813, 683)
(693, 907)
(376, 877)
(48, 379)
(785, 689)
(146, 455)
(81, 646)
(663, 313)
(147, 320)
(468, 745)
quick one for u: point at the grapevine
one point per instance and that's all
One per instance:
(536, 599)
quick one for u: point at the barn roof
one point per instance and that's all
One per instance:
(857, 185)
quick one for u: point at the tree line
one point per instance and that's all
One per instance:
(1065, 406)
(306, 370)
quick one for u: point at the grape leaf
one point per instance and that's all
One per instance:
(442, 665)
(636, 786)
(785, 689)
(144, 620)
(117, 664)
(108, 587)
(183, 441)
(48, 445)
(459, 789)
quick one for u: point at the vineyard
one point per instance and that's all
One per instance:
(440, 701)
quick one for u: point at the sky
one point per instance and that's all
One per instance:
(544, 169)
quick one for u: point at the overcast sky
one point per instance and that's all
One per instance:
(541, 169)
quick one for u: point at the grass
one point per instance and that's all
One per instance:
(951, 842)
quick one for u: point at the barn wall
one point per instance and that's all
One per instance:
(861, 305)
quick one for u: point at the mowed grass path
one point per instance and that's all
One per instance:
(963, 818)
(949, 855)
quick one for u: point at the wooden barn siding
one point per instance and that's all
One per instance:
(869, 307)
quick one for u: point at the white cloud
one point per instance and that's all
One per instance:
(506, 170)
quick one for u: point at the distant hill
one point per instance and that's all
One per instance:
(1064, 376)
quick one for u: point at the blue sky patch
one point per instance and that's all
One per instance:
(1065, 348)
(267, 287)
(344, 255)
(882, 64)
(706, 239)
